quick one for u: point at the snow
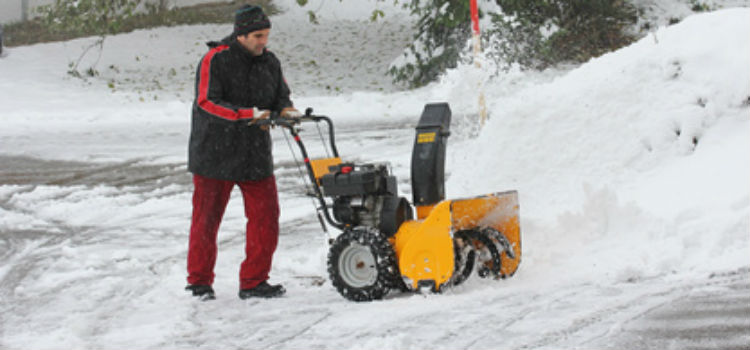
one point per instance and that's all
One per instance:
(618, 134)
(632, 171)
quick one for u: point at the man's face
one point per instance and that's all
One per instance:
(255, 41)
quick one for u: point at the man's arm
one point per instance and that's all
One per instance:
(209, 90)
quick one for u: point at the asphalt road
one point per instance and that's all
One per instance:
(714, 315)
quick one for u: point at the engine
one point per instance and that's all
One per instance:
(366, 195)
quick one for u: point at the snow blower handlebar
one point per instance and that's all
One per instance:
(275, 119)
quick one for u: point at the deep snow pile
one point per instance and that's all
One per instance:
(643, 153)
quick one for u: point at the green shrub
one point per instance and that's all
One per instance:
(542, 33)
(443, 27)
(532, 33)
(92, 17)
(69, 19)
(39, 29)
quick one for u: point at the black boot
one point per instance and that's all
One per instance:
(263, 290)
(202, 291)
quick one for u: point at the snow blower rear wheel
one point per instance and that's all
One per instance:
(362, 264)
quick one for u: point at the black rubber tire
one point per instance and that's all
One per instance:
(362, 264)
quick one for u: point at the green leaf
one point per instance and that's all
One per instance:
(312, 17)
(375, 14)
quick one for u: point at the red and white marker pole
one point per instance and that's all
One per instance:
(477, 62)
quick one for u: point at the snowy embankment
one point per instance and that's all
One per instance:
(632, 172)
(637, 163)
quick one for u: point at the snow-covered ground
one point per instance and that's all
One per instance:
(632, 171)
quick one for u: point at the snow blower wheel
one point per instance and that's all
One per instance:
(362, 264)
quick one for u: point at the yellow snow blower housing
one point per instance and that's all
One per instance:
(431, 252)
(382, 245)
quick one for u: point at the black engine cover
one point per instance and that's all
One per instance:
(358, 181)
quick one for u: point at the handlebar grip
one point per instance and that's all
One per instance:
(275, 119)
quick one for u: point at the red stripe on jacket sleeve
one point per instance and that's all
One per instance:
(208, 105)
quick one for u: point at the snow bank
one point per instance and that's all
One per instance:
(638, 158)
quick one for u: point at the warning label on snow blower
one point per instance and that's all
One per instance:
(426, 137)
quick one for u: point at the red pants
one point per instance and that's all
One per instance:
(210, 199)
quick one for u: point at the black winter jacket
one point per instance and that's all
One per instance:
(230, 81)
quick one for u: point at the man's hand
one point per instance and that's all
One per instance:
(259, 114)
(290, 112)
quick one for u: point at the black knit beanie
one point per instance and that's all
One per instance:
(249, 19)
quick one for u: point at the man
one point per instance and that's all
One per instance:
(238, 81)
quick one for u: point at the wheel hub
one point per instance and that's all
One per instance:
(358, 266)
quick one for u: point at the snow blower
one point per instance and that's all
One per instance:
(382, 245)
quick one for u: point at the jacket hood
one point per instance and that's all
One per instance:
(228, 40)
